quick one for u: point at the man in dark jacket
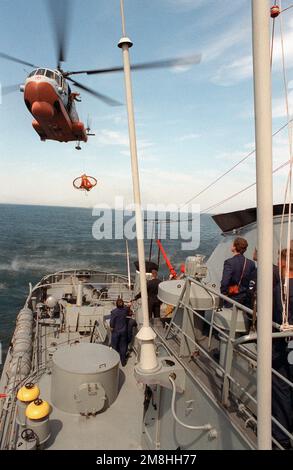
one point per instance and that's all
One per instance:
(237, 273)
(119, 328)
(282, 395)
(154, 303)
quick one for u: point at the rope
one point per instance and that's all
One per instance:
(285, 9)
(288, 191)
(250, 153)
(219, 178)
(208, 209)
(232, 168)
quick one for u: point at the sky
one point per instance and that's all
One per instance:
(192, 123)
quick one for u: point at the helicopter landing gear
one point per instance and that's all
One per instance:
(78, 147)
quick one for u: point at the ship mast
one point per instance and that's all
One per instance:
(148, 360)
(263, 140)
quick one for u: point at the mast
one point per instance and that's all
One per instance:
(263, 141)
(148, 360)
(128, 265)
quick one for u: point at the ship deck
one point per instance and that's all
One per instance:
(205, 374)
(118, 427)
(122, 426)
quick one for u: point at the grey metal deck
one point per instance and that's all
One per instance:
(119, 427)
(206, 377)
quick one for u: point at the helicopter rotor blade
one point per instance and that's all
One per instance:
(5, 90)
(60, 17)
(18, 61)
(98, 95)
(157, 64)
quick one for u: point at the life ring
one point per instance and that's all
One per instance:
(84, 182)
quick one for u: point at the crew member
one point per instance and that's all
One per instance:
(154, 303)
(119, 328)
(281, 392)
(85, 183)
(74, 97)
(237, 273)
(131, 326)
(282, 399)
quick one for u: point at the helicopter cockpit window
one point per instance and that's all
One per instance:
(58, 79)
(50, 74)
(41, 72)
(32, 73)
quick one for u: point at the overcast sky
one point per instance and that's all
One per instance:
(192, 123)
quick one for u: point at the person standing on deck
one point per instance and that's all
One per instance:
(282, 394)
(237, 273)
(119, 329)
(154, 303)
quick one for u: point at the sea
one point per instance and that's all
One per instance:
(38, 240)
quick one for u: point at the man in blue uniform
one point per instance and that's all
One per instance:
(282, 395)
(119, 328)
(154, 303)
(237, 273)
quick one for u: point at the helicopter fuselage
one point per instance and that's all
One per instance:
(47, 96)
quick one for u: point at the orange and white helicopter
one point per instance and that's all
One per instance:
(49, 98)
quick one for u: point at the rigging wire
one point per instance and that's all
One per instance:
(208, 209)
(210, 185)
(151, 244)
(287, 8)
(250, 153)
(290, 161)
(232, 168)
(218, 178)
(214, 206)
(288, 191)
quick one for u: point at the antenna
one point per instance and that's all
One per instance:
(128, 265)
(148, 359)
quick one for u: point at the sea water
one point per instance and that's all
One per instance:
(38, 240)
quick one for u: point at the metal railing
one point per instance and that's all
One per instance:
(235, 343)
(119, 283)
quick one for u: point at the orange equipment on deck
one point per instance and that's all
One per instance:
(168, 262)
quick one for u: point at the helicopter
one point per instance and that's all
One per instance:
(48, 95)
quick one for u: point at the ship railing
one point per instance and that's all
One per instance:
(104, 275)
(120, 288)
(8, 423)
(9, 428)
(235, 344)
(53, 278)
